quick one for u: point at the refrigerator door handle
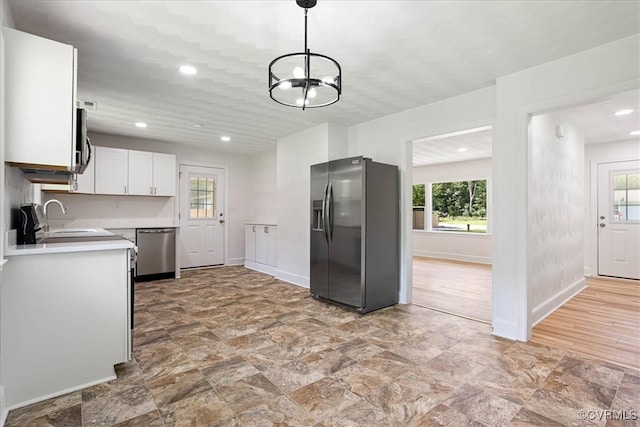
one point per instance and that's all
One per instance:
(324, 213)
(329, 226)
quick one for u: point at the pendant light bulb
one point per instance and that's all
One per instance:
(298, 73)
(312, 93)
(285, 85)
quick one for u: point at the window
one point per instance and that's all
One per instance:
(418, 207)
(202, 197)
(626, 197)
(456, 206)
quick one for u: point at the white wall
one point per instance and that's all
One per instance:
(469, 247)
(556, 215)
(569, 81)
(238, 183)
(388, 140)
(599, 153)
(264, 188)
(295, 154)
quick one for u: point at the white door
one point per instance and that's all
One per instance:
(619, 219)
(201, 216)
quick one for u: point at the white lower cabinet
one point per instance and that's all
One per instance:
(65, 322)
(261, 241)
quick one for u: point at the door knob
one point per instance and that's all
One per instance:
(222, 221)
(601, 225)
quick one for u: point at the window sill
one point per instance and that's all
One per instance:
(455, 234)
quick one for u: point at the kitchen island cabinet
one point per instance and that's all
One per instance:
(65, 317)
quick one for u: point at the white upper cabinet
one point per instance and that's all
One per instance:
(111, 170)
(164, 174)
(132, 172)
(152, 173)
(40, 96)
(140, 173)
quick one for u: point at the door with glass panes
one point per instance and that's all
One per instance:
(619, 219)
(201, 216)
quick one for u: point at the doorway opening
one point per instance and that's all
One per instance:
(452, 223)
(584, 213)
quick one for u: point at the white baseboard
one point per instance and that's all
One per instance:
(455, 257)
(235, 261)
(59, 393)
(551, 304)
(505, 329)
(3, 407)
(294, 279)
(262, 268)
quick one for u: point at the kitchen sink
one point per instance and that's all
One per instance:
(77, 232)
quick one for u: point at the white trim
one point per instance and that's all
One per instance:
(235, 261)
(455, 234)
(551, 304)
(524, 114)
(59, 393)
(455, 257)
(505, 329)
(292, 278)
(262, 268)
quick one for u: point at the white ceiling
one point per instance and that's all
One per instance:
(395, 55)
(596, 121)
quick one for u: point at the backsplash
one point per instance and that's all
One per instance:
(111, 211)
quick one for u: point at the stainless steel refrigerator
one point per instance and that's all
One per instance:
(355, 246)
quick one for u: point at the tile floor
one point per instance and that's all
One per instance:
(231, 347)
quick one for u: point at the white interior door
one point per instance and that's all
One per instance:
(619, 219)
(201, 216)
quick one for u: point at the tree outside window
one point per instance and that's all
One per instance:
(418, 207)
(458, 206)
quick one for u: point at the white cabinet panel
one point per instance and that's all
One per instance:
(250, 242)
(140, 173)
(261, 247)
(152, 174)
(164, 174)
(85, 183)
(111, 173)
(40, 95)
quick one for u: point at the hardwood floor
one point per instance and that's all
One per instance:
(455, 287)
(602, 321)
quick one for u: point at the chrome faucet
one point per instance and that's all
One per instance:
(64, 211)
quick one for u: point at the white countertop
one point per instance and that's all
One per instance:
(70, 246)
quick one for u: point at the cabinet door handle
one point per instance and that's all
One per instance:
(125, 189)
(266, 230)
(254, 228)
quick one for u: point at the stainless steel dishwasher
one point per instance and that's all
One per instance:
(156, 253)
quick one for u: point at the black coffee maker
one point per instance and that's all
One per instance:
(31, 224)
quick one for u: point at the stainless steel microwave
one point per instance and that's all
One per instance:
(83, 145)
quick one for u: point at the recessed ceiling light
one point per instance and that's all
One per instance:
(635, 133)
(188, 70)
(141, 125)
(624, 112)
(462, 150)
(197, 125)
(225, 138)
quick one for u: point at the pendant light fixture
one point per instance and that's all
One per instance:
(305, 79)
